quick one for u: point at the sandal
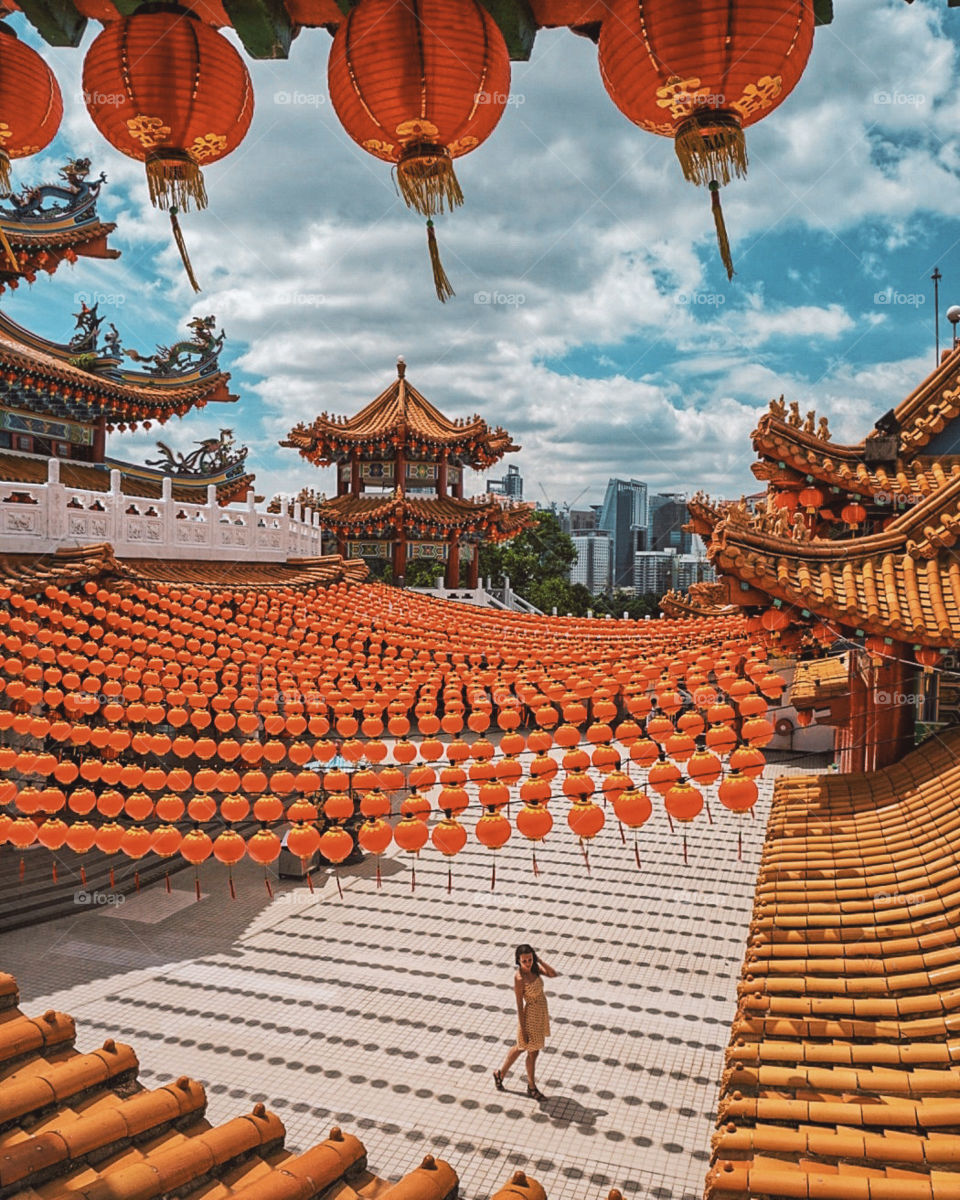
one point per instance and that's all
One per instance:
(498, 1081)
(534, 1092)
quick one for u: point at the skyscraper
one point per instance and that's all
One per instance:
(624, 517)
(593, 564)
(668, 515)
(510, 485)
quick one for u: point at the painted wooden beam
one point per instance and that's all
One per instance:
(264, 26)
(57, 21)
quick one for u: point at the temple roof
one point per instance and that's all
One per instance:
(903, 582)
(839, 1079)
(46, 223)
(819, 680)
(134, 480)
(401, 416)
(699, 600)
(359, 515)
(888, 459)
(67, 381)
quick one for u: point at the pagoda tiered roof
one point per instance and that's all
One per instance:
(66, 382)
(903, 582)
(401, 418)
(371, 515)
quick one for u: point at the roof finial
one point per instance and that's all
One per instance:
(401, 367)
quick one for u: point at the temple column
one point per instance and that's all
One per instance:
(458, 486)
(442, 477)
(399, 558)
(857, 756)
(452, 577)
(99, 440)
(341, 482)
(400, 470)
(473, 568)
(341, 546)
(355, 485)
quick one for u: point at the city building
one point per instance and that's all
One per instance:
(594, 560)
(668, 516)
(662, 571)
(510, 485)
(624, 516)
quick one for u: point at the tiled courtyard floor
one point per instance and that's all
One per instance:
(387, 1011)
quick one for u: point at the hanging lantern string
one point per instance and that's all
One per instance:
(723, 242)
(441, 283)
(182, 247)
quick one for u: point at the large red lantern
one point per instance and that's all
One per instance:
(419, 85)
(31, 107)
(700, 72)
(167, 89)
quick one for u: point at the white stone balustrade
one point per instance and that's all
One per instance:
(43, 518)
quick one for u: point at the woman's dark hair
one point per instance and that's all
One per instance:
(525, 949)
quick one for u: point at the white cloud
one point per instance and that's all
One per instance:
(581, 232)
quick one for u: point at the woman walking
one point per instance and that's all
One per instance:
(533, 1019)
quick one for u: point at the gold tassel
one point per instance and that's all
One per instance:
(175, 180)
(440, 280)
(182, 247)
(427, 180)
(4, 171)
(711, 146)
(8, 250)
(723, 242)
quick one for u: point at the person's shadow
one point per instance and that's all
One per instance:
(564, 1110)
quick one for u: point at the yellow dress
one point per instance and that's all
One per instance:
(537, 1017)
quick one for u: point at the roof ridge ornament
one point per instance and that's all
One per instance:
(401, 366)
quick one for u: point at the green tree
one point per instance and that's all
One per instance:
(538, 563)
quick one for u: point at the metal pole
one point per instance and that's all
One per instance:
(936, 277)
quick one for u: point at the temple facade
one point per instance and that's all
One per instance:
(400, 464)
(850, 551)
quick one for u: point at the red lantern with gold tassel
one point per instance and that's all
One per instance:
(167, 89)
(31, 106)
(419, 85)
(701, 72)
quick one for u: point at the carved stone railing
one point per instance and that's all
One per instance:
(41, 518)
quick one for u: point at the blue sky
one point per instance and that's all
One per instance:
(592, 317)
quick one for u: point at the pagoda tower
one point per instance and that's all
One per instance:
(400, 465)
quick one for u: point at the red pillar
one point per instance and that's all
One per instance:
(442, 477)
(856, 759)
(452, 577)
(355, 486)
(473, 569)
(100, 440)
(342, 547)
(399, 559)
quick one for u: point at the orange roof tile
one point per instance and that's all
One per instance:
(841, 1068)
(350, 514)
